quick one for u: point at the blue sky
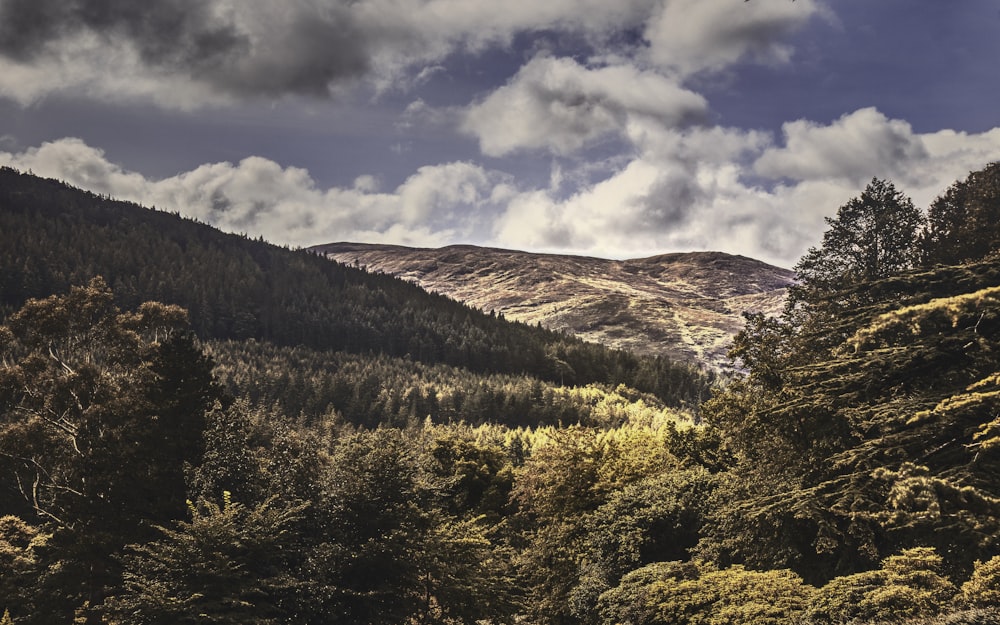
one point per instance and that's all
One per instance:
(616, 129)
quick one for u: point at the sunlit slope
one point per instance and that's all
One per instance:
(686, 306)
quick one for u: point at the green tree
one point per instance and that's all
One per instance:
(908, 585)
(866, 421)
(228, 565)
(873, 236)
(963, 224)
(234, 445)
(462, 576)
(374, 503)
(593, 504)
(632, 602)
(699, 594)
(982, 590)
(22, 552)
(768, 418)
(99, 412)
(554, 491)
(386, 548)
(914, 586)
(478, 475)
(658, 518)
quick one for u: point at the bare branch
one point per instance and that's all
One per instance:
(53, 355)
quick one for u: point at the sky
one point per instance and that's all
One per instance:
(611, 128)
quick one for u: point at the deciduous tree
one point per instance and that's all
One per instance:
(99, 412)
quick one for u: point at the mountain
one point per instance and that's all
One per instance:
(685, 306)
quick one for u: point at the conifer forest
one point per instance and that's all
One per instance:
(200, 427)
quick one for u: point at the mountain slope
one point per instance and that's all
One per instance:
(53, 236)
(685, 306)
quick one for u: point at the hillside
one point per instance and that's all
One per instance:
(53, 236)
(684, 306)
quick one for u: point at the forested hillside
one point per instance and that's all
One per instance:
(849, 477)
(53, 236)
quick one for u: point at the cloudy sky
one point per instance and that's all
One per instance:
(615, 128)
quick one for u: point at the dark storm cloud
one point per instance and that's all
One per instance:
(25, 25)
(302, 51)
(178, 32)
(670, 201)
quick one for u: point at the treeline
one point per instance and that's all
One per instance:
(373, 391)
(53, 236)
(870, 406)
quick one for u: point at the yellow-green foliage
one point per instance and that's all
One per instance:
(839, 600)
(700, 594)
(622, 454)
(909, 585)
(988, 436)
(983, 588)
(913, 318)
(20, 546)
(979, 403)
(618, 406)
(18, 543)
(983, 396)
(631, 453)
(915, 494)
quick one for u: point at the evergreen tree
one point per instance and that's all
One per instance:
(228, 565)
(982, 590)
(867, 415)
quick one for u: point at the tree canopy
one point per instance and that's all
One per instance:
(849, 476)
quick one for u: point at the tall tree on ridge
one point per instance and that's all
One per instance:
(964, 223)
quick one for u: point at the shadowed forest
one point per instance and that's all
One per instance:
(198, 427)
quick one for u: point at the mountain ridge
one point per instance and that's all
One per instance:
(684, 305)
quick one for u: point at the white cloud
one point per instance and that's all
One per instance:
(865, 144)
(658, 203)
(560, 105)
(855, 147)
(690, 189)
(704, 188)
(79, 164)
(694, 35)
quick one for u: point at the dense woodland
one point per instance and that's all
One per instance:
(313, 444)
(53, 236)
